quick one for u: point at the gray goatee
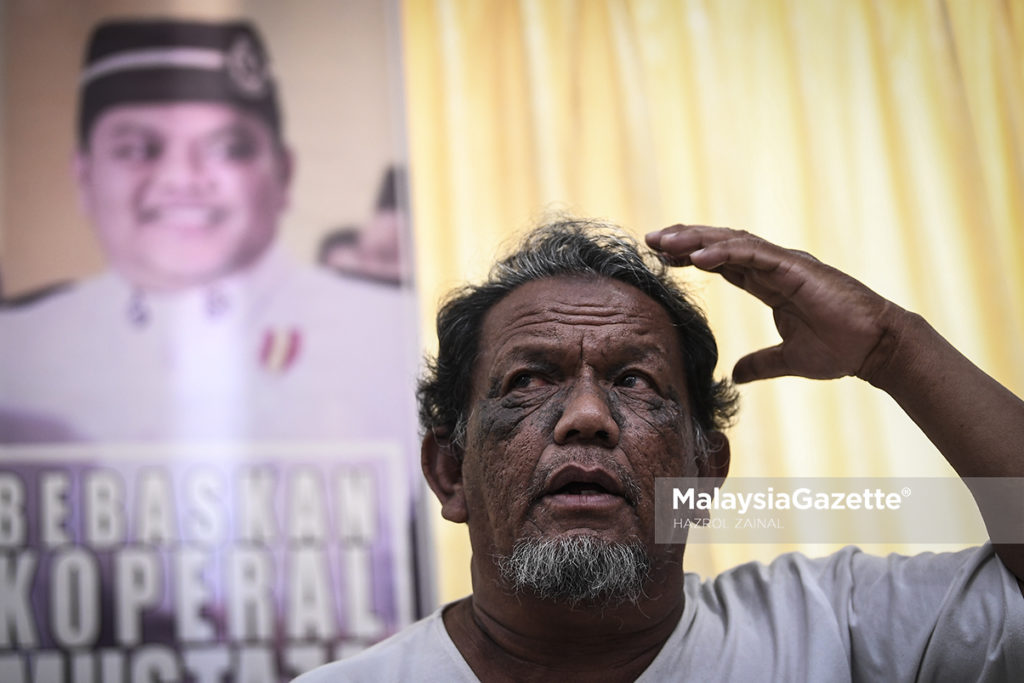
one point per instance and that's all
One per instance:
(577, 569)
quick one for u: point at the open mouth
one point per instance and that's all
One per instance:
(580, 488)
(574, 485)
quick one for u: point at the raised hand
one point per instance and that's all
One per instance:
(831, 325)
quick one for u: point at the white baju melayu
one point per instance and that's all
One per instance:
(278, 352)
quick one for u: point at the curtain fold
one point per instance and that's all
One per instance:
(883, 137)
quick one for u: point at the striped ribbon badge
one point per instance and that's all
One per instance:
(280, 349)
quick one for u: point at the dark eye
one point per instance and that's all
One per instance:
(139, 149)
(635, 380)
(238, 145)
(520, 380)
(526, 379)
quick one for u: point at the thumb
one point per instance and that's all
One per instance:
(762, 364)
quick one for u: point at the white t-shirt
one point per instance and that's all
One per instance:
(846, 617)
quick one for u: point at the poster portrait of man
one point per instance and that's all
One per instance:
(209, 442)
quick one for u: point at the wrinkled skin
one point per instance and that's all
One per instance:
(578, 380)
(573, 371)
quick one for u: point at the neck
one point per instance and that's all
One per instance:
(162, 284)
(518, 637)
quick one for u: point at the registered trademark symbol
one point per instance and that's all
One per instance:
(905, 491)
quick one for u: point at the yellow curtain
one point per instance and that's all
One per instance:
(884, 137)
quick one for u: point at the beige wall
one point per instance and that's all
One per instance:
(336, 65)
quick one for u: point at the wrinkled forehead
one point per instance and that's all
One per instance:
(566, 314)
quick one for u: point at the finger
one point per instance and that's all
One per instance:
(766, 289)
(682, 239)
(722, 249)
(654, 238)
(769, 272)
(762, 364)
(745, 252)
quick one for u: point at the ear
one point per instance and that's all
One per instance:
(442, 466)
(716, 467)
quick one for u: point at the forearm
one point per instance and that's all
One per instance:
(974, 421)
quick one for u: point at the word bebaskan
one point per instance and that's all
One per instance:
(251, 565)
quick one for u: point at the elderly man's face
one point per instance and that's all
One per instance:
(182, 193)
(578, 403)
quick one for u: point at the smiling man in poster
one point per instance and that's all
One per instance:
(207, 469)
(203, 326)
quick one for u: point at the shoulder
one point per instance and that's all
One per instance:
(34, 296)
(793, 590)
(70, 302)
(421, 652)
(892, 616)
(849, 578)
(323, 293)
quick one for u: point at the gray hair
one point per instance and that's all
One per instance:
(568, 247)
(577, 569)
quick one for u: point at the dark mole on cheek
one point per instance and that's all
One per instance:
(500, 419)
(497, 421)
(670, 411)
(664, 415)
(494, 389)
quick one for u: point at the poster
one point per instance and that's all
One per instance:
(188, 563)
(208, 448)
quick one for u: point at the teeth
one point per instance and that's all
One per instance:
(189, 215)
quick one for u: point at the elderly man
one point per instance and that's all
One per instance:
(202, 329)
(579, 373)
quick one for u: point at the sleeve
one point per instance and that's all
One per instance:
(931, 617)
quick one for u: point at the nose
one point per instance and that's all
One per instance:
(587, 417)
(182, 173)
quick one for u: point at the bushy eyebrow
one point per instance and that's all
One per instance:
(231, 129)
(132, 128)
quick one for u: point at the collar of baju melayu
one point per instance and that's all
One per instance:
(231, 300)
